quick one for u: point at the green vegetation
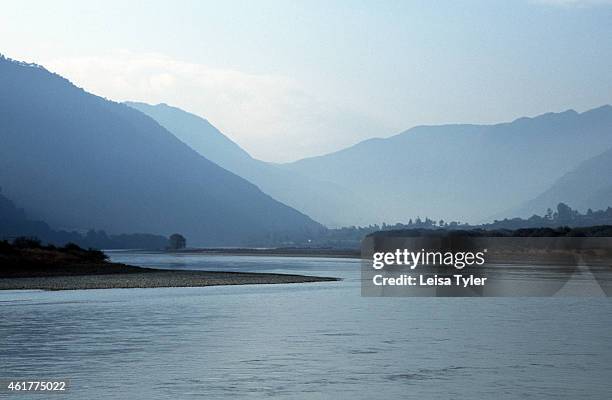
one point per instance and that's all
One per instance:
(563, 222)
(27, 257)
(591, 231)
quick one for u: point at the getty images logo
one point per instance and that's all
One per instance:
(412, 259)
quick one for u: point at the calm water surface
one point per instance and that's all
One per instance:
(302, 341)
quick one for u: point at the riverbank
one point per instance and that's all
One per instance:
(150, 278)
(27, 264)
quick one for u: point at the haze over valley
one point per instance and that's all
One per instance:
(466, 172)
(78, 162)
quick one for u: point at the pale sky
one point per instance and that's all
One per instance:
(290, 79)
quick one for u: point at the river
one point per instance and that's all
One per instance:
(302, 341)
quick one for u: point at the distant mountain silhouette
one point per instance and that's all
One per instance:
(587, 186)
(329, 203)
(14, 223)
(197, 132)
(78, 161)
(464, 172)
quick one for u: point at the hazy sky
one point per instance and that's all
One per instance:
(293, 79)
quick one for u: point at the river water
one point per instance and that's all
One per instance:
(301, 341)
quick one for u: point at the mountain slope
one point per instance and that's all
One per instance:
(197, 132)
(326, 202)
(465, 172)
(14, 223)
(587, 186)
(79, 161)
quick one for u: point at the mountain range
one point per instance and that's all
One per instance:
(314, 195)
(79, 161)
(464, 172)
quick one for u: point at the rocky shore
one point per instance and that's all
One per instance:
(150, 278)
(26, 264)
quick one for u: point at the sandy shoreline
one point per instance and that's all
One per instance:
(152, 279)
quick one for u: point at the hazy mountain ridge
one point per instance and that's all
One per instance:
(464, 171)
(322, 200)
(195, 131)
(458, 171)
(77, 160)
(587, 186)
